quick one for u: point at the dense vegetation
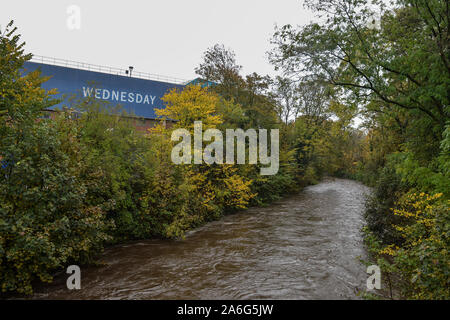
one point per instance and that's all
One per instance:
(392, 63)
(70, 185)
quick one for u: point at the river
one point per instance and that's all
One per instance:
(303, 247)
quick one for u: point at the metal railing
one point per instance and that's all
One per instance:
(105, 69)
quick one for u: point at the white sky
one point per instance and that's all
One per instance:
(166, 37)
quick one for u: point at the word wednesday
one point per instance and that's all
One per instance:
(119, 96)
(213, 153)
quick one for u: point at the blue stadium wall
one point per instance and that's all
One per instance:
(139, 97)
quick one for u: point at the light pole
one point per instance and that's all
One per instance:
(129, 71)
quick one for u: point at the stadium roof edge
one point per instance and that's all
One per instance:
(106, 69)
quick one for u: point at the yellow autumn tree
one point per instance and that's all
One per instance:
(194, 103)
(209, 190)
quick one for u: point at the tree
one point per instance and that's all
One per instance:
(251, 92)
(402, 65)
(33, 99)
(192, 104)
(286, 92)
(219, 65)
(208, 190)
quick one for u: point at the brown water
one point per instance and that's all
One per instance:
(304, 247)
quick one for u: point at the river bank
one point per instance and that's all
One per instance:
(306, 246)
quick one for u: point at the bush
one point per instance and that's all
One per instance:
(45, 221)
(421, 262)
(388, 189)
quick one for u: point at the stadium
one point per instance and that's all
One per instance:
(138, 93)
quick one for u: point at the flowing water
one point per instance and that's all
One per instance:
(303, 247)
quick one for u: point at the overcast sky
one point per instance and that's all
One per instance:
(166, 37)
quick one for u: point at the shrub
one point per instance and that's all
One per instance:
(45, 221)
(421, 262)
(387, 191)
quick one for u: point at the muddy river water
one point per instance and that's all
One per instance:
(306, 246)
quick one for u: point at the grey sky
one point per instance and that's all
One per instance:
(163, 37)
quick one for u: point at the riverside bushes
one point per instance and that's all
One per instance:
(46, 219)
(420, 262)
(408, 225)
